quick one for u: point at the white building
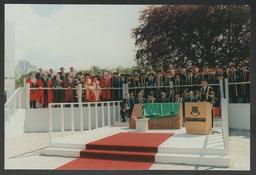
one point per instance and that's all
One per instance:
(9, 55)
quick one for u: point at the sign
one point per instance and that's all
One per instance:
(195, 112)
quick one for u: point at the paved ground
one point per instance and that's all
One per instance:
(25, 152)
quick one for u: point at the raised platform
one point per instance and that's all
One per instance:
(181, 148)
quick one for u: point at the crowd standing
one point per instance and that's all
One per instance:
(145, 86)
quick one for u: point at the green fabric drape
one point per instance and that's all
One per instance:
(158, 110)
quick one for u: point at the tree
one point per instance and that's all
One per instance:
(24, 67)
(186, 34)
(96, 69)
(21, 72)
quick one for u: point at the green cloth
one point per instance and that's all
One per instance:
(157, 110)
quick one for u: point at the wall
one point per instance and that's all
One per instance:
(16, 124)
(9, 55)
(239, 115)
(38, 119)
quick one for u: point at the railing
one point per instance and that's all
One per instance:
(12, 104)
(224, 120)
(81, 115)
(228, 84)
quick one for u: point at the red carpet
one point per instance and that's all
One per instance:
(101, 164)
(120, 151)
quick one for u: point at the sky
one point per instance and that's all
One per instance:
(52, 36)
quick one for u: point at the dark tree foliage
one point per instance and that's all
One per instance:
(186, 34)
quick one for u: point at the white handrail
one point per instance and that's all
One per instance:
(11, 103)
(81, 115)
(13, 95)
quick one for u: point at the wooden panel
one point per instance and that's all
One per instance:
(204, 112)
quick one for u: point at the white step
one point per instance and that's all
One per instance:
(190, 150)
(63, 152)
(193, 159)
(121, 124)
(68, 145)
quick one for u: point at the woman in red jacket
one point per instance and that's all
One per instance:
(33, 93)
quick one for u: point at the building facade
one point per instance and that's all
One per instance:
(9, 75)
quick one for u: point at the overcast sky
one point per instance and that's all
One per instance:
(74, 35)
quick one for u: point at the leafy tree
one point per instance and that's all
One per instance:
(23, 68)
(21, 72)
(186, 34)
(96, 69)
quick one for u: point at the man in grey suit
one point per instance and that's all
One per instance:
(191, 97)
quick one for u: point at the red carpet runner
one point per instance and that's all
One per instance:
(120, 151)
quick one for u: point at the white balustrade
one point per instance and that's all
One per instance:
(108, 113)
(118, 111)
(224, 120)
(114, 112)
(11, 104)
(62, 120)
(50, 123)
(81, 118)
(72, 119)
(102, 115)
(96, 115)
(89, 117)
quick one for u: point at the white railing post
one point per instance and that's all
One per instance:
(79, 93)
(27, 96)
(224, 119)
(114, 111)
(50, 123)
(226, 89)
(221, 88)
(20, 98)
(96, 115)
(108, 113)
(72, 118)
(81, 118)
(89, 117)
(124, 89)
(102, 114)
(118, 111)
(62, 121)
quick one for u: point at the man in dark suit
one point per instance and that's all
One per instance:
(62, 74)
(244, 89)
(163, 98)
(72, 72)
(116, 83)
(44, 84)
(233, 89)
(191, 97)
(39, 75)
(172, 95)
(126, 107)
(51, 75)
(189, 79)
(58, 93)
(177, 98)
(140, 99)
(151, 98)
(206, 92)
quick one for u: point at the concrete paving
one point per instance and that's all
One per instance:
(25, 152)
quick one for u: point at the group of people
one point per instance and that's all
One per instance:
(144, 86)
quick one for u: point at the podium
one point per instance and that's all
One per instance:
(198, 117)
